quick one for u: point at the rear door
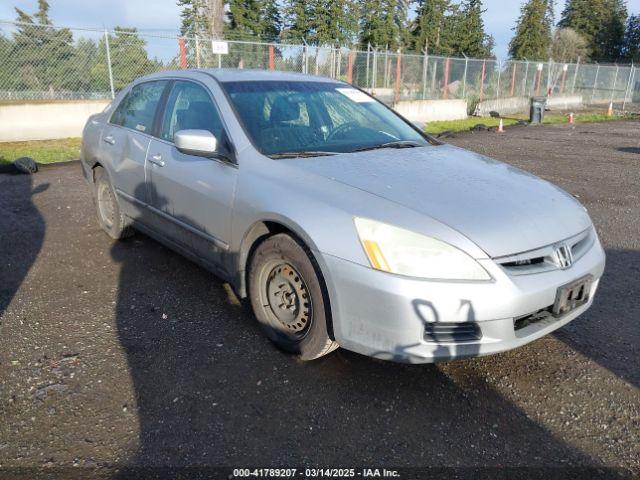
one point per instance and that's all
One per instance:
(194, 193)
(125, 142)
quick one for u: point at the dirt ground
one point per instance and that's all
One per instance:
(126, 354)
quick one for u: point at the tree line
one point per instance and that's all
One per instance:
(594, 30)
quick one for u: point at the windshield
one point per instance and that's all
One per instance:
(297, 117)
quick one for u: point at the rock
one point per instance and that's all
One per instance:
(480, 127)
(26, 165)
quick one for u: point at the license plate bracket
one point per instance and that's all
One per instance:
(572, 295)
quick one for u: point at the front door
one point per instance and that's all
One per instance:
(194, 194)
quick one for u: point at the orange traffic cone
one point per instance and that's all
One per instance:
(610, 110)
(501, 127)
(571, 118)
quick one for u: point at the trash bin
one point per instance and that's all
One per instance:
(536, 114)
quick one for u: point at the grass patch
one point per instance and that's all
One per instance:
(42, 151)
(435, 128)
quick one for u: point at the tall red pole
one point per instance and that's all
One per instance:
(272, 58)
(484, 70)
(398, 75)
(445, 93)
(350, 68)
(183, 53)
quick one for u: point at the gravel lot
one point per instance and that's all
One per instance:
(126, 354)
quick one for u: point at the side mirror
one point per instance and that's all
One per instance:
(196, 142)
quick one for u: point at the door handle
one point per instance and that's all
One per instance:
(110, 140)
(157, 160)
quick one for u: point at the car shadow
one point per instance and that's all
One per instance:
(22, 230)
(629, 149)
(212, 391)
(601, 333)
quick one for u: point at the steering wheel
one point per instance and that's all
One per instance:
(345, 127)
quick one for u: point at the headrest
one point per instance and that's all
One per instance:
(284, 109)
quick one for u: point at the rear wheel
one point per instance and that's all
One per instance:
(288, 298)
(110, 218)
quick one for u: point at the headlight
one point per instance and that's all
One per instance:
(396, 250)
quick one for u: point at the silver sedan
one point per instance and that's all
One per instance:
(342, 223)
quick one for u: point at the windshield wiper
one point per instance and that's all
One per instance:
(397, 144)
(302, 154)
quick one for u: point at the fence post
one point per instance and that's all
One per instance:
(183, 53)
(106, 44)
(595, 82)
(445, 88)
(367, 70)
(398, 75)
(499, 64)
(425, 65)
(464, 77)
(482, 75)
(513, 78)
(304, 66)
(549, 84)
(615, 81)
(375, 71)
(526, 79)
(628, 91)
(350, 67)
(272, 58)
(197, 51)
(575, 76)
(539, 78)
(565, 69)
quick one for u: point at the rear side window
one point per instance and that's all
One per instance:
(138, 109)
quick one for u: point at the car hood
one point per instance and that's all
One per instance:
(502, 209)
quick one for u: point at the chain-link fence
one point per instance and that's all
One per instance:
(43, 62)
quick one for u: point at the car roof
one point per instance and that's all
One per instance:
(239, 75)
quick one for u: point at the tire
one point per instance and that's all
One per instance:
(288, 297)
(110, 218)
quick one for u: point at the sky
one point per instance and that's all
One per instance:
(164, 15)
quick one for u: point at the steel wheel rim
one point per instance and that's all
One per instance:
(287, 299)
(105, 204)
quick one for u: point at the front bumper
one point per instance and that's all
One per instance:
(384, 315)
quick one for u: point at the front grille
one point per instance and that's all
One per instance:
(451, 332)
(545, 258)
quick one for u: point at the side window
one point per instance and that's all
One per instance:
(137, 110)
(189, 107)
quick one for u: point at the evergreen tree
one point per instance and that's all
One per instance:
(469, 37)
(384, 24)
(600, 22)
(334, 22)
(194, 18)
(631, 50)
(251, 19)
(433, 28)
(532, 39)
(129, 59)
(42, 55)
(298, 19)
(271, 20)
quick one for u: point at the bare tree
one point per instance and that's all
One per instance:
(568, 45)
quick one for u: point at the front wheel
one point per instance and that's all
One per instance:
(288, 298)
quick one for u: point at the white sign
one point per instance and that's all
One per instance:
(540, 67)
(219, 47)
(355, 95)
(565, 67)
